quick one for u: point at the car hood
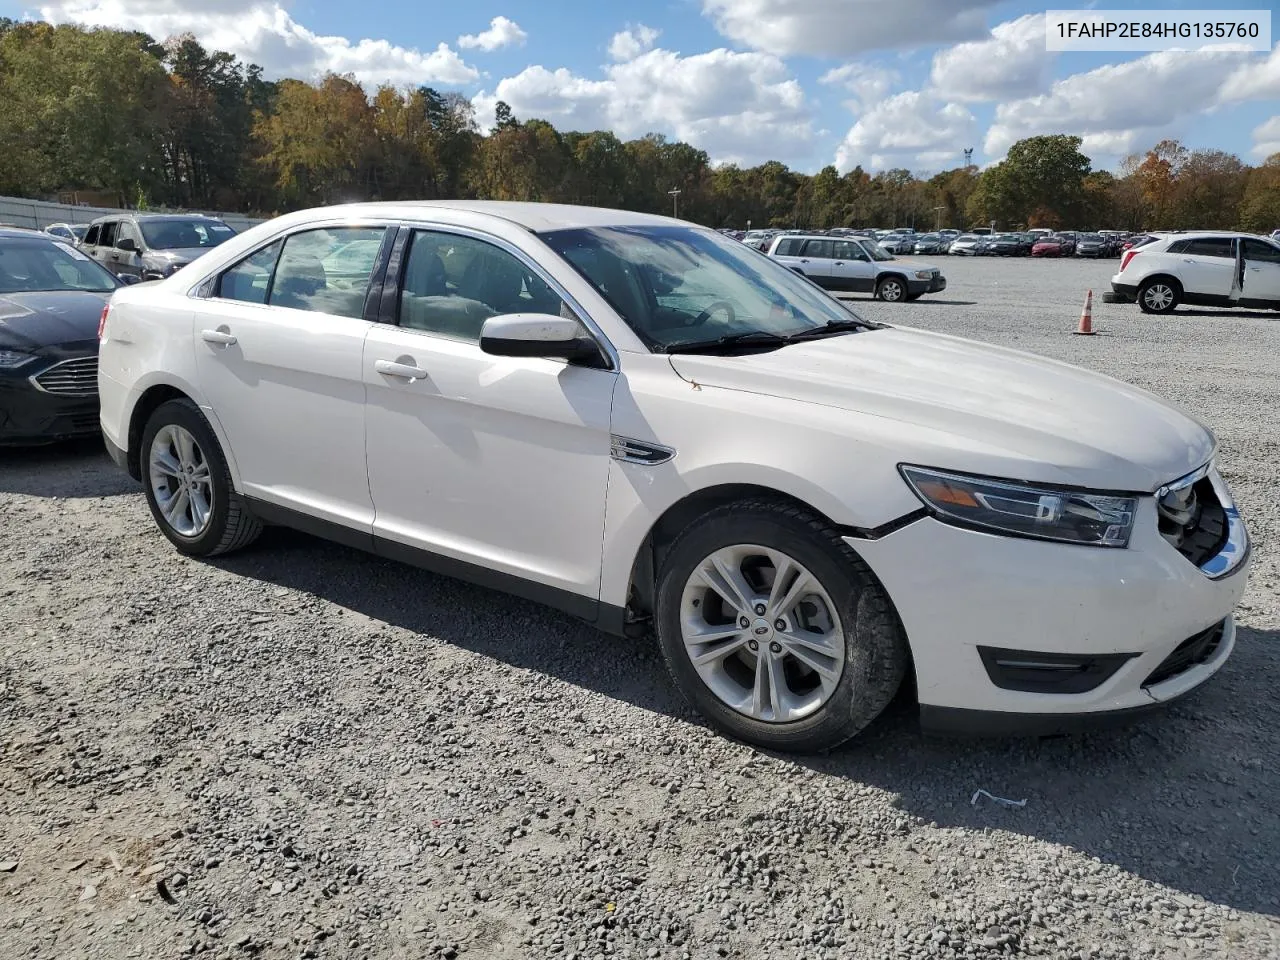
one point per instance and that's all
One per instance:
(976, 408)
(30, 321)
(178, 254)
(908, 263)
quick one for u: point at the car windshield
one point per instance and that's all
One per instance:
(180, 234)
(1091, 237)
(79, 230)
(47, 265)
(674, 285)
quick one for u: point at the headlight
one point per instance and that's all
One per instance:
(1001, 506)
(924, 274)
(13, 358)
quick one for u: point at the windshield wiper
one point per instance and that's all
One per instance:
(834, 326)
(751, 338)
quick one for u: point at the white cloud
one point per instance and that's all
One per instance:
(264, 33)
(1012, 62)
(739, 107)
(868, 85)
(1266, 138)
(501, 33)
(910, 129)
(1119, 104)
(837, 28)
(1259, 80)
(632, 42)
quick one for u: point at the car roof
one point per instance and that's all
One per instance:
(152, 216)
(23, 233)
(537, 217)
(1196, 234)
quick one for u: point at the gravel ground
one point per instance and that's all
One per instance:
(301, 751)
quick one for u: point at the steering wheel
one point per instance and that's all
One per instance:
(719, 305)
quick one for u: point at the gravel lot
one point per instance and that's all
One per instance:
(301, 751)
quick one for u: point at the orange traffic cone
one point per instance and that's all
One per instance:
(1086, 317)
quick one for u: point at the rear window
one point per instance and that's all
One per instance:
(789, 247)
(1205, 247)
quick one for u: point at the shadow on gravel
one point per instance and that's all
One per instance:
(74, 469)
(1188, 798)
(1224, 314)
(926, 299)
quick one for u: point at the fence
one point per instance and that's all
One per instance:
(40, 213)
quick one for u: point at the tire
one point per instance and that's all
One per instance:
(227, 524)
(864, 631)
(1159, 295)
(891, 290)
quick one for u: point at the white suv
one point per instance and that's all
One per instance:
(859, 265)
(653, 427)
(1202, 269)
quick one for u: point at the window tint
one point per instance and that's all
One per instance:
(453, 284)
(848, 251)
(174, 233)
(91, 236)
(249, 279)
(318, 272)
(1210, 247)
(127, 229)
(107, 234)
(1260, 252)
(818, 249)
(789, 247)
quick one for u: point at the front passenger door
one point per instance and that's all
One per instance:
(499, 462)
(852, 268)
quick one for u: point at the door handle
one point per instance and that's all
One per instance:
(839, 263)
(406, 371)
(218, 337)
(1188, 261)
(804, 261)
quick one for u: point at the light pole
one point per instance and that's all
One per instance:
(674, 194)
(937, 222)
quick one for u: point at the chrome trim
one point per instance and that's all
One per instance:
(639, 451)
(1236, 550)
(76, 391)
(1190, 480)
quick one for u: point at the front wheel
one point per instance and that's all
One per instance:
(891, 290)
(775, 630)
(1158, 296)
(188, 485)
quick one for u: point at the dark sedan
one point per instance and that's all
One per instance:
(1093, 245)
(51, 298)
(1006, 245)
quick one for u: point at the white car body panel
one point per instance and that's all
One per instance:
(508, 463)
(1206, 280)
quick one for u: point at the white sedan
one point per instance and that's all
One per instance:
(655, 428)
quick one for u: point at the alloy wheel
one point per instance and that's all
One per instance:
(180, 480)
(1158, 297)
(891, 290)
(762, 633)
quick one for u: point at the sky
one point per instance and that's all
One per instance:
(876, 83)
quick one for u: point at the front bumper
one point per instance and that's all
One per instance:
(29, 416)
(981, 590)
(1120, 292)
(915, 286)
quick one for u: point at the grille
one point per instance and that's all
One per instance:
(70, 378)
(1193, 520)
(1189, 653)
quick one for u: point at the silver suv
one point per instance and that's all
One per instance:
(151, 246)
(859, 265)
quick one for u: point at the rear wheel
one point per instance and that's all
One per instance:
(891, 290)
(1158, 295)
(188, 485)
(775, 630)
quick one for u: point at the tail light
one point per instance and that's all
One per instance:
(102, 322)
(1124, 260)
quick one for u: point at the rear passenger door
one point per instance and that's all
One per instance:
(815, 261)
(105, 251)
(499, 462)
(1261, 286)
(279, 347)
(1206, 266)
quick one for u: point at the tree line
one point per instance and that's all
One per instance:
(175, 125)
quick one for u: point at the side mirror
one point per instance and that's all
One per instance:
(127, 244)
(539, 335)
(129, 279)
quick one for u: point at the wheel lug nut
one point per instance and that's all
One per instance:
(752, 645)
(760, 609)
(744, 623)
(779, 624)
(775, 647)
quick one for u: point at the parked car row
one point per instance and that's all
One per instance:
(903, 241)
(321, 369)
